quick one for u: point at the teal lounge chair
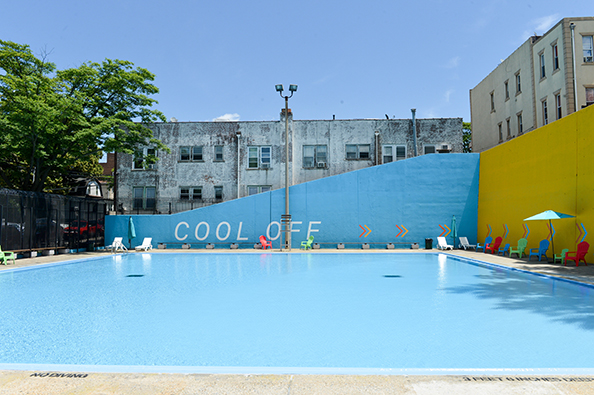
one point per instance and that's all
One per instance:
(5, 256)
(307, 243)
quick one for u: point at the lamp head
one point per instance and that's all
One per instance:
(279, 88)
(293, 88)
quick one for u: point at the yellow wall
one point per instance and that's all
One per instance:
(550, 168)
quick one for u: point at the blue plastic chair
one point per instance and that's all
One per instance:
(540, 251)
(488, 241)
(503, 250)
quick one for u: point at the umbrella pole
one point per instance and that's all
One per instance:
(552, 242)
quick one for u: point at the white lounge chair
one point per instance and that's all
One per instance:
(116, 245)
(464, 244)
(146, 244)
(443, 245)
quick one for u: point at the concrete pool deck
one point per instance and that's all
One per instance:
(58, 382)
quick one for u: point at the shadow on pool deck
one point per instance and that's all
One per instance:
(34, 382)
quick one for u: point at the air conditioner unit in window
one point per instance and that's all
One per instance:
(321, 165)
(444, 148)
(265, 166)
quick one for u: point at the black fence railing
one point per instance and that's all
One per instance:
(165, 205)
(32, 221)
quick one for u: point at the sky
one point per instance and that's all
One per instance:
(220, 60)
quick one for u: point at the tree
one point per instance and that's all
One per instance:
(466, 137)
(52, 121)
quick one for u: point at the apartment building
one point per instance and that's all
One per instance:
(545, 79)
(212, 162)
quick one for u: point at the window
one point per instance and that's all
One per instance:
(184, 154)
(197, 153)
(193, 154)
(506, 83)
(558, 105)
(520, 124)
(255, 189)
(144, 198)
(314, 156)
(392, 153)
(259, 157)
(589, 96)
(218, 149)
(518, 84)
(588, 44)
(492, 101)
(139, 161)
(555, 57)
(190, 193)
(508, 128)
(500, 132)
(543, 73)
(428, 149)
(357, 151)
(545, 112)
(218, 190)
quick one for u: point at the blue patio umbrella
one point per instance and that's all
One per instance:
(549, 215)
(131, 231)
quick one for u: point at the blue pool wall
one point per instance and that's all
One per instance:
(402, 202)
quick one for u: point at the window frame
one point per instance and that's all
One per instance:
(545, 111)
(588, 53)
(259, 189)
(555, 49)
(432, 146)
(218, 193)
(193, 193)
(492, 94)
(542, 62)
(520, 123)
(145, 199)
(358, 152)
(319, 159)
(218, 153)
(394, 154)
(506, 85)
(262, 161)
(558, 106)
(138, 164)
(518, 83)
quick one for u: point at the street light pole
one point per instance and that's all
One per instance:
(286, 218)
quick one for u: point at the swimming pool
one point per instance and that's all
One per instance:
(308, 312)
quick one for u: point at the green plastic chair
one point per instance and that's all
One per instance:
(561, 257)
(307, 243)
(522, 243)
(5, 256)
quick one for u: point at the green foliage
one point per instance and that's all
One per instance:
(466, 137)
(52, 121)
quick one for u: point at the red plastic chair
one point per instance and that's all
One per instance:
(579, 255)
(265, 244)
(494, 248)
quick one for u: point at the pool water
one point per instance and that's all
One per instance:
(389, 311)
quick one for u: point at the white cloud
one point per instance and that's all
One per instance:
(227, 118)
(448, 94)
(453, 63)
(540, 26)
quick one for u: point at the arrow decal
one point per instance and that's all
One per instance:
(585, 232)
(402, 229)
(526, 231)
(506, 231)
(489, 227)
(366, 231)
(446, 231)
(551, 231)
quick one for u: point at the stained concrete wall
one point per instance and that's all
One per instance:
(400, 202)
(547, 169)
(233, 173)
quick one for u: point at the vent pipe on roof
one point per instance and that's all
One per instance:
(414, 122)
